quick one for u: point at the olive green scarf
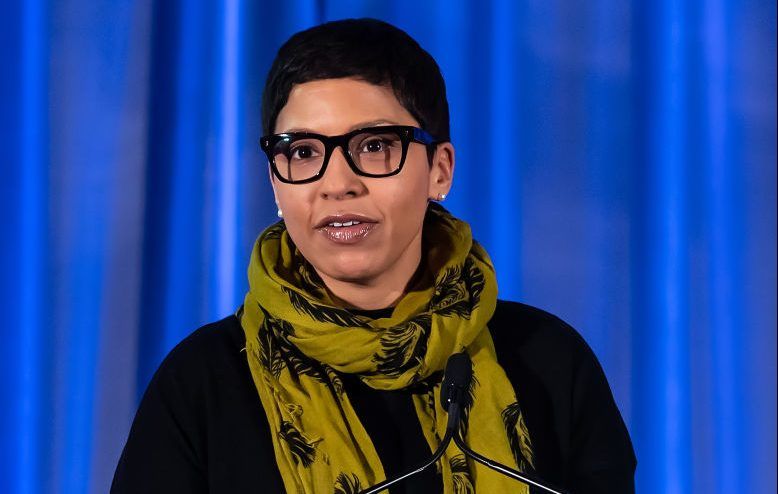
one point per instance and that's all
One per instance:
(298, 341)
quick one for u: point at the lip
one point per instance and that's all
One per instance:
(347, 235)
(343, 218)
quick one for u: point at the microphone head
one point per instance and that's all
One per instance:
(456, 379)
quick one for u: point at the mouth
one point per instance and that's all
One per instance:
(346, 228)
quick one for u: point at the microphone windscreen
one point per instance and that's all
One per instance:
(456, 378)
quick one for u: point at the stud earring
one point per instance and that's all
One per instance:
(280, 213)
(441, 197)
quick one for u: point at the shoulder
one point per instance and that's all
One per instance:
(221, 333)
(540, 352)
(207, 347)
(517, 327)
(516, 312)
(201, 404)
(534, 344)
(576, 426)
(200, 365)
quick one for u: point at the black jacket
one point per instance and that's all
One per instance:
(201, 428)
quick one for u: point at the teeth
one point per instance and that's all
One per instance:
(347, 223)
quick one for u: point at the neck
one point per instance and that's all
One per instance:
(364, 297)
(377, 292)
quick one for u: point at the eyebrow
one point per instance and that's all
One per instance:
(360, 125)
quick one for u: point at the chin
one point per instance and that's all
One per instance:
(351, 270)
(354, 275)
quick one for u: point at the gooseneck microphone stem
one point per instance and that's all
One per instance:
(435, 457)
(453, 397)
(507, 471)
(453, 422)
(456, 378)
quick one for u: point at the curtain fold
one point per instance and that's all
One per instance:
(617, 159)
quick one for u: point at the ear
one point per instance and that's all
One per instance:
(273, 184)
(442, 170)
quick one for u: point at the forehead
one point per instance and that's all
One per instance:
(334, 106)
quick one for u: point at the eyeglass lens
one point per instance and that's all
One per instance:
(374, 153)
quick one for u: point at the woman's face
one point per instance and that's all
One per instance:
(386, 244)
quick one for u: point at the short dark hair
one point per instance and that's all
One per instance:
(366, 49)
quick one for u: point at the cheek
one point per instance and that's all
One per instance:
(408, 197)
(406, 201)
(293, 197)
(295, 205)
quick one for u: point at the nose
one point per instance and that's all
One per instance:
(339, 180)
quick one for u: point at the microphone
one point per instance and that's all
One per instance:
(456, 393)
(453, 397)
(454, 390)
(456, 379)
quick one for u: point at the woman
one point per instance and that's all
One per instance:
(328, 377)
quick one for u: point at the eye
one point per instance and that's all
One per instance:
(373, 146)
(378, 144)
(370, 146)
(302, 152)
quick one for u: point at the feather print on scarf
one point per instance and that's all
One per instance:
(298, 341)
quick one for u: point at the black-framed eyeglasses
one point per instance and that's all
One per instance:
(302, 157)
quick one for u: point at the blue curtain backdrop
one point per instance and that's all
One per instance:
(629, 187)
